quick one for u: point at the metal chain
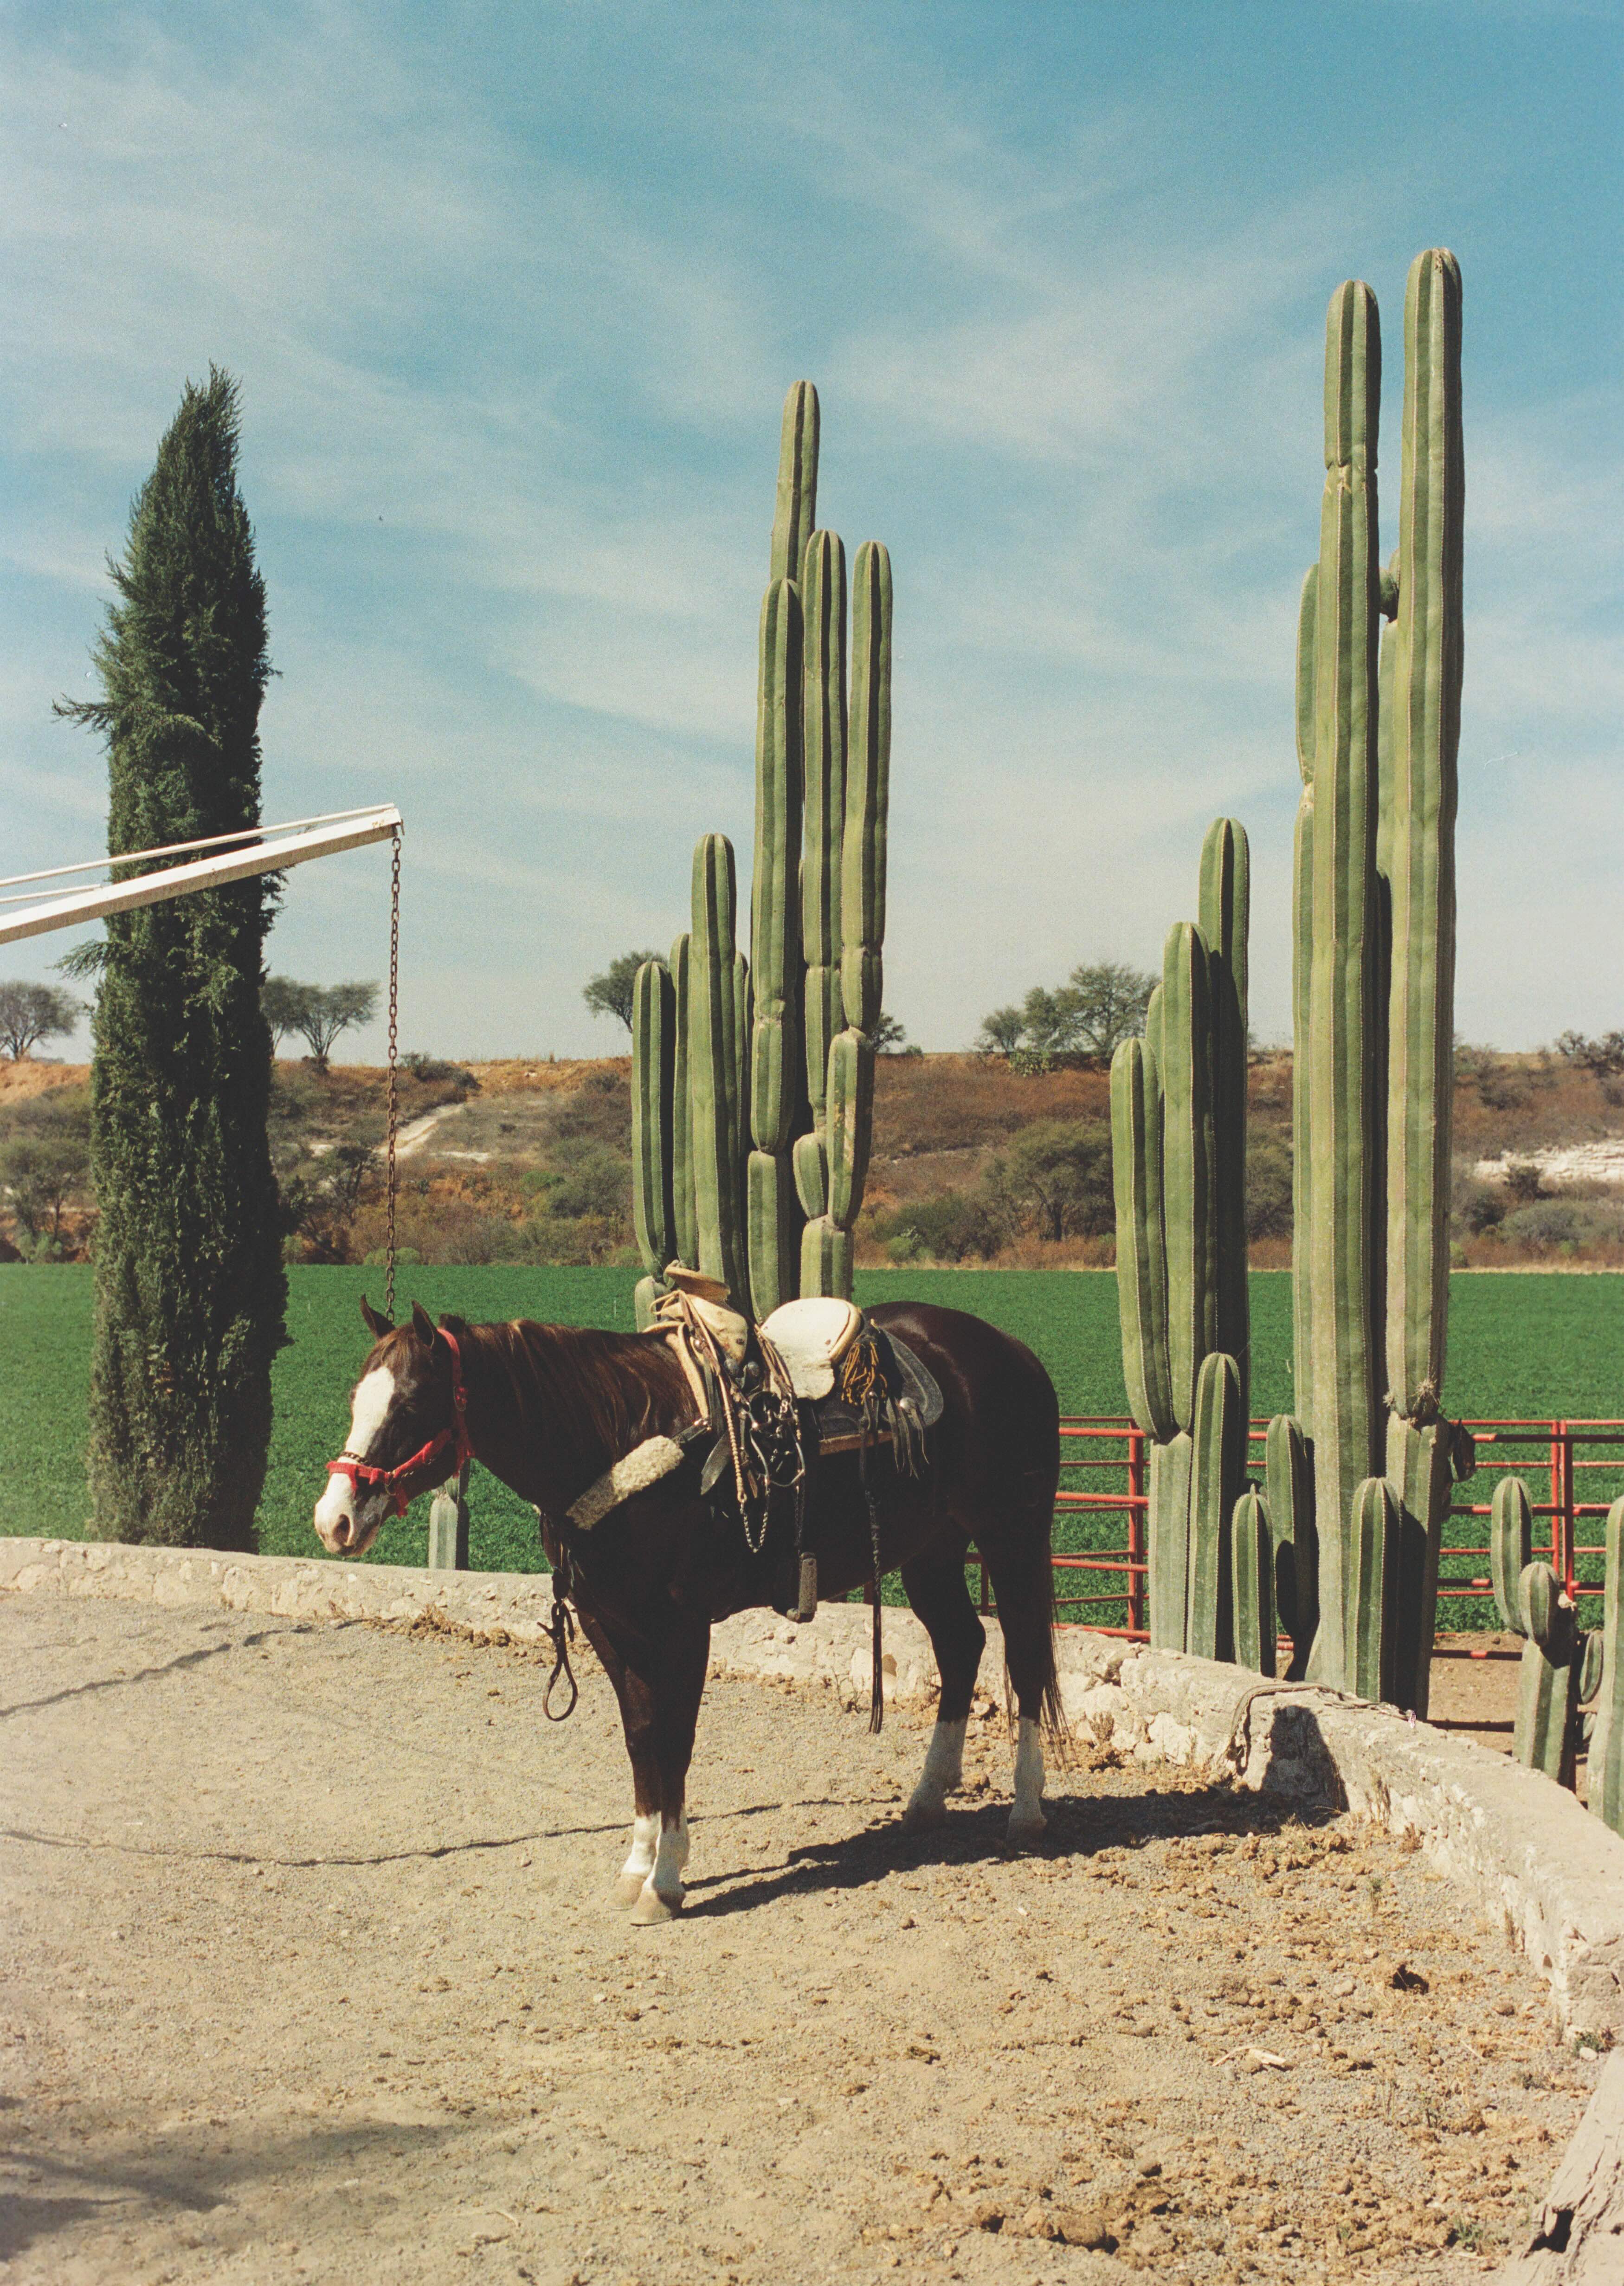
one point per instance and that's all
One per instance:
(394, 1015)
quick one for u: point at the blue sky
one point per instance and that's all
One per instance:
(514, 296)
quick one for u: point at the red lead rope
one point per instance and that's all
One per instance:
(455, 1439)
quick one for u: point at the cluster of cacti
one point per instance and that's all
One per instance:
(1178, 1159)
(753, 1087)
(1351, 1515)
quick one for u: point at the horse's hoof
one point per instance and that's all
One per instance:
(650, 1909)
(923, 1818)
(627, 1889)
(1026, 1832)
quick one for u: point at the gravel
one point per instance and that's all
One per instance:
(309, 1972)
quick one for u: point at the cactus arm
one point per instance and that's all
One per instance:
(1184, 1060)
(1289, 1486)
(1168, 1520)
(1604, 1782)
(823, 587)
(1341, 1078)
(684, 1217)
(796, 510)
(1511, 1548)
(1420, 1469)
(862, 882)
(775, 933)
(1545, 1737)
(1253, 1565)
(653, 1090)
(713, 1046)
(851, 1103)
(1306, 609)
(1224, 921)
(1369, 1612)
(1427, 642)
(1302, 1061)
(1217, 1478)
(1141, 1265)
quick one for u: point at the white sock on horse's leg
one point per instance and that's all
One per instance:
(639, 1865)
(943, 1773)
(662, 1892)
(1027, 1822)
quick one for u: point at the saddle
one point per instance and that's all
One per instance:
(816, 1379)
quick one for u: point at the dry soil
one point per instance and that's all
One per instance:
(308, 1973)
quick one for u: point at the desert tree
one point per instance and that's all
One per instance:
(317, 1013)
(190, 1289)
(32, 1012)
(610, 994)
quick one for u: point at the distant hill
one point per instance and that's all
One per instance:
(529, 1160)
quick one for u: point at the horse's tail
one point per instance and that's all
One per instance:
(1051, 1719)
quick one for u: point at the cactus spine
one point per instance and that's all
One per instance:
(765, 1095)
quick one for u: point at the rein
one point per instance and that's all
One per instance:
(454, 1439)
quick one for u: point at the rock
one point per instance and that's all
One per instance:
(1083, 2227)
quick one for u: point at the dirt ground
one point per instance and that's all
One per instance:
(307, 1974)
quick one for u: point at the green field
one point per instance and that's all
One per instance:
(1520, 1346)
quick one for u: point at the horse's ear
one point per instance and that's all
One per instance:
(423, 1325)
(376, 1324)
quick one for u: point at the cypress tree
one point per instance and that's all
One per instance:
(190, 1289)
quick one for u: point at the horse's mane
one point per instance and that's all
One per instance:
(586, 1395)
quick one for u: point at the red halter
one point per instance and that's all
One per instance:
(393, 1480)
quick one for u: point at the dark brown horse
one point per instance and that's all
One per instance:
(549, 1409)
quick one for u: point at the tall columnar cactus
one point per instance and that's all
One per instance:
(716, 1004)
(1378, 727)
(654, 1046)
(768, 1100)
(1360, 1477)
(774, 1237)
(826, 1248)
(1179, 1157)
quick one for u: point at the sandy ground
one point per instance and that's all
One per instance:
(308, 1973)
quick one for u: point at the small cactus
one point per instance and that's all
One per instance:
(1217, 1479)
(1548, 1689)
(1373, 1551)
(1253, 1568)
(1510, 1550)
(1289, 1480)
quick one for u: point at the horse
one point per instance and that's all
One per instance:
(549, 1409)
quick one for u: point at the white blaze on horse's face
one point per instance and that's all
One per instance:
(335, 1516)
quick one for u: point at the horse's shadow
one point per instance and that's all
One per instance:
(1080, 1826)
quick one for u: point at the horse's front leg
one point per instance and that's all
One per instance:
(678, 1687)
(636, 1703)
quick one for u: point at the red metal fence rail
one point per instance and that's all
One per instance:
(1557, 1452)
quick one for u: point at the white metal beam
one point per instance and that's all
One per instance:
(204, 873)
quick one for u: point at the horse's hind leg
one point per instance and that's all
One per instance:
(686, 1657)
(941, 1600)
(1023, 1582)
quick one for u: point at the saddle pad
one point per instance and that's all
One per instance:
(812, 1336)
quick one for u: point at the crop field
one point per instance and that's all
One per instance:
(1520, 1347)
